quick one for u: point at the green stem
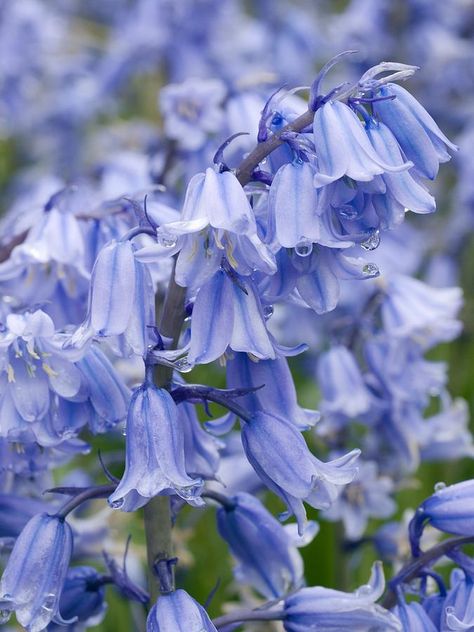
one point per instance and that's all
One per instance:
(157, 512)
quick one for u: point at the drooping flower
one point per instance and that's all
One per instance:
(418, 135)
(343, 148)
(178, 612)
(279, 454)
(155, 461)
(34, 577)
(450, 509)
(327, 610)
(266, 552)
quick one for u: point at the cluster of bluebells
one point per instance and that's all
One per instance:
(258, 226)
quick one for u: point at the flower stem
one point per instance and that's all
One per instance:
(417, 565)
(249, 615)
(157, 512)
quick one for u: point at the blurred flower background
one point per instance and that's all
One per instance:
(98, 100)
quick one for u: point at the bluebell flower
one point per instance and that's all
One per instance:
(267, 555)
(278, 395)
(228, 313)
(178, 612)
(82, 598)
(328, 610)
(403, 187)
(414, 618)
(116, 275)
(279, 454)
(342, 385)
(49, 393)
(201, 449)
(155, 462)
(367, 496)
(192, 110)
(15, 511)
(34, 577)
(343, 147)
(413, 308)
(419, 137)
(292, 203)
(446, 435)
(450, 509)
(457, 609)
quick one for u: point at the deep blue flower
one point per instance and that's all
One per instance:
(266, 552)
(34, 577)
(82, 598)
(450, 509)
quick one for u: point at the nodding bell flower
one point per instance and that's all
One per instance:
(414, 309)
(217, 220)
(403, 189)
(419, 137)
(155, 460)
(342, 385)
(83, 597)
(276, 390)
(450, 509)
(292, 205)
(178, 612)
(120, 299)
(34, 577)
(327, 610)
(343, 147)
(228, 313)
(266, 551)
(278, 453)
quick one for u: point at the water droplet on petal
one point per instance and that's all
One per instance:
(268, 311)
(304, 248)
(372, 241)
(183, 366)
(167, 240)
(370, 270)
(439, 486)
(366, 589)
(49, 602)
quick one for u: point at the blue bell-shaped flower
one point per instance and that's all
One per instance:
(178, 612)
(155, 462)
(34, 577)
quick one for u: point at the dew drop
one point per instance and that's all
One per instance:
(183, 366)
(366, 589)
(167, 240)
(439, 486)
(49, 602)
(370, 270)
(304, 248)
(268, 311)
(372, 241)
